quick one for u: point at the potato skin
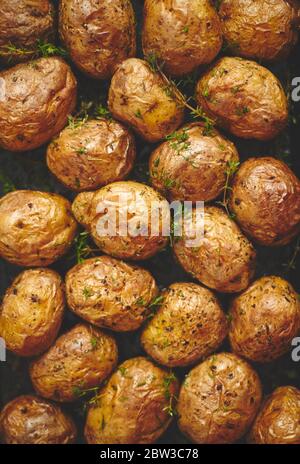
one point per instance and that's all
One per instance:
(264, 319)
(35, 101)
(188, 326)
(29, 420)
(92, 154)
(243, 97)
(265, 199)
(36, 228)
(138, 97)
(80, 359)
(131, 407)
(219, 400)
(31, 312)
(183, 34)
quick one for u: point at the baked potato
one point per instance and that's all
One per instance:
(265, 199)
(243, 97)
(98, 35)
(135, 405)
(31, 312)
(29, 420)
(219, 400)
(36, 228)
(138, 96)
(79, 360)
(264, 319)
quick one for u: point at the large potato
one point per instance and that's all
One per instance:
(134, 407)
(36, 228)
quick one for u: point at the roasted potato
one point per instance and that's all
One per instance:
(134, 407)
(138, 97)
(264, 319)
(265, 199)
(243, 97)
(219, 400)
(79, 360)
(36, 228)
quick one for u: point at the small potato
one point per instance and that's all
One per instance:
(134, 407)
(264, 319)
(138, 97)
(219, 400)
(188, 326)
(92, 154)
(243, 97)
(32, 312)
(79, 360)
(29, 420)
(36, 228)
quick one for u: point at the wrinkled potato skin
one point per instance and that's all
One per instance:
(36, 99)
(36, 228)
(224, 260)
(264, 319)
(219, 400)
(137, 96)
(80, 359)
(183, 34)
(188, 326)
(244, 98)
(278, 419)
(92, 154)
(32, 312)
(265, 199)
(130, 408)
(29, 420)
(195, 172)
(110, 293)
(98, 35)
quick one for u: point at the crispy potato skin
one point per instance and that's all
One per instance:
(92, 154)
(31, 312)
(36, 228)
(98, 35)
(278, 419)
(137, 96)
(224, 260)
(194, 169)
(131, 407)
(80, 359)
(243, 97)
(188, 326)
(265, 199)
(183, 34)
(110, 293)
(29, 420)
(219, 400)
(264, 319)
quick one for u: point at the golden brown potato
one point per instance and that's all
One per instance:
(188, 326)
(183, 34)
(243, 97)
(219, 400)
(32, 312)
(36, 228)
(98, 35)
(91, 154)
(138, 97)
(79, 360)
(35, 101)
(192, 164)
(134, 407)
(265, 199)
(29, 420)
(264, 319)
(278, 419)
